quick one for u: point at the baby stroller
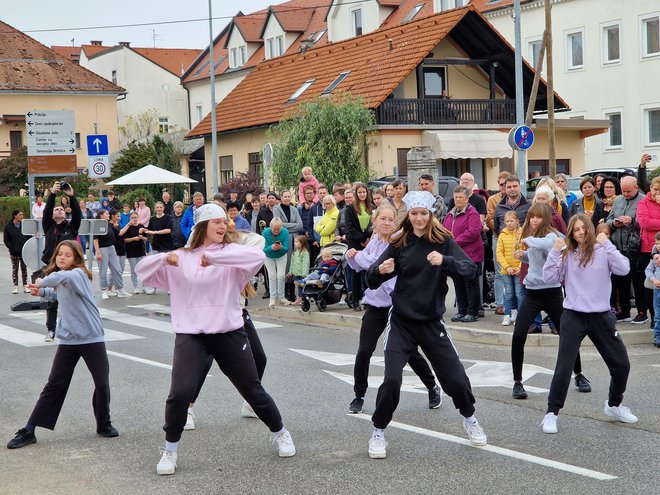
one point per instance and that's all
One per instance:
(331, 291)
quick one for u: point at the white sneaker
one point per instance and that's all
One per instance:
(475, 433)
(112, 293)
(190, 422)
(271, 303)
(549, 423)
(286, 302)
(506, 321)
(167, 463)
(15, 291)
(123, 293)
(514, 315)
(247, 411)
(149, 290)
(284, 443)
(104, 295)
(50, 336)
(26, 290)
(620, 413)
(377, 446)
(138, 291)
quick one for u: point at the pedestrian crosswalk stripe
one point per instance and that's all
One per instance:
(34, 339)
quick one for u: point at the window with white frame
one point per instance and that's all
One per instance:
(614, 137)
(163, 125)
(226, 168)
(442, 5)
(575, 50)
(651, 36)
(114, 77)
(651, 125)
(611, 43)
(198, 112)
(356, 17)
(534, 52)
(274, 47)
(237, 56)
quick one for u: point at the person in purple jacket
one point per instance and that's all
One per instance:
(584, 264)
(464, 222)
(377, 304)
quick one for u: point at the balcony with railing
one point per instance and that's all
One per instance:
(410, 111)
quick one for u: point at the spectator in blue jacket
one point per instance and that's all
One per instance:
(188, 221)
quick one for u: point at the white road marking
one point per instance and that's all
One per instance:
(561, 466)
(411, 383)
(481, 373)
(142, 360)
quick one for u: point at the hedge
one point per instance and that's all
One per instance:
(11, 203)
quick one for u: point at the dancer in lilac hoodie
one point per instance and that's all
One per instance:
(205, 281)
(584, 264)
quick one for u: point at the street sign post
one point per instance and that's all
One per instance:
(97, 145)
(51, 141)
(99, 167)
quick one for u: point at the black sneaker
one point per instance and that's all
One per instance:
(620, 317)
(266, 296)
(435, 397)
(356, 405)
(582, 383)
(518, 391)
(23, 437)
(640, 319)
(108, 431)
(469, 319)
(481, 313)
(457, 317)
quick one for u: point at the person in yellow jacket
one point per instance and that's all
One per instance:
(508, 242)
(328, 222)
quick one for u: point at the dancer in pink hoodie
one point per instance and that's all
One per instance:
(205, 281)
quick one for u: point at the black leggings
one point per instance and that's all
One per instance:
(549, 300)
(258, 353)
(601, 329)
(401, 341)
(49, 405)
(374, 322)
(232, 352)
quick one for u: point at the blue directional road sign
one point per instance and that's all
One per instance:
(521, 138)
(97, 145)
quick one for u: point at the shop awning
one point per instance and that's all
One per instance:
(467, 144)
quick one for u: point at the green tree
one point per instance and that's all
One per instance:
(13, 172)
(327, 134)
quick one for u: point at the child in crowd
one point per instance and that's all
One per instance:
(323, 272)
(125, 218)
(80, 332)
(507, 244)
(299, 262)
(653, 272)
(377, 197)
(605, 229)
(307, 179)
(584, 264)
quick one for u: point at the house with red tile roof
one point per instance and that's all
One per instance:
(34, 77)
(151, 76)
(444, 80)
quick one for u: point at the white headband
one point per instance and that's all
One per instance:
(208, 212)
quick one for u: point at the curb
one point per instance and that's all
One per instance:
(475, 335)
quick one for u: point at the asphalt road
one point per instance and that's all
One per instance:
(308, 374)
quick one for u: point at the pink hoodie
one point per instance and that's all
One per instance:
(303, 184)
(204, 299)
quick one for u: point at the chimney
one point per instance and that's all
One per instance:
(96, 42)
(125, 43)
(306, 45)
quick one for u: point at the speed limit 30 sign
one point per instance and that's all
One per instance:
(99, 167)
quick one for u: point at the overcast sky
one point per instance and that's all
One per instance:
(30, 15)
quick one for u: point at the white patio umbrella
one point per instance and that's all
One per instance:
(150, 174)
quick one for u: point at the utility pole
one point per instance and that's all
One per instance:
(214, 132)
(551, 91)
(520, 103)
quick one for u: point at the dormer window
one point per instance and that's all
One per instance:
(335, 83)
(415, 10)
(274, 47)
(237, 57)
(301, 90)
(442, 5)
(356, 17)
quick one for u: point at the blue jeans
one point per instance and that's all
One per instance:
(513, 290)
(656, 309)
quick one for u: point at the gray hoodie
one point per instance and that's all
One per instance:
(79, 321)
(536, 255)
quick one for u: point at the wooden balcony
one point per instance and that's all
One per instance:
(399, 111)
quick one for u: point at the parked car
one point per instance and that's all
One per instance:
(383, 181)
(611, 172)
(573, 186)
